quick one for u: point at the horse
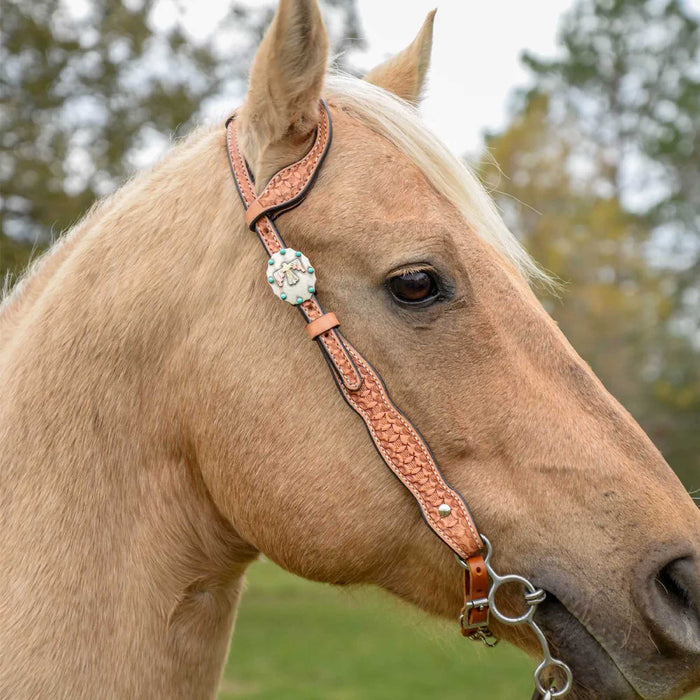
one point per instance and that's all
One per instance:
(164, 419)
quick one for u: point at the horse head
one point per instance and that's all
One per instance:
(435, 292)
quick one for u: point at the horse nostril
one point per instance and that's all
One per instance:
(672, 605)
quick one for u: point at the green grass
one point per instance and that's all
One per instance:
(296, 639)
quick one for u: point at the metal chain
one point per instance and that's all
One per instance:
(533, 597)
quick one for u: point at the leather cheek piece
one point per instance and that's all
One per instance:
(397, 441)
(408, 456)
(476, 587)
(333, 345)
(321, 325)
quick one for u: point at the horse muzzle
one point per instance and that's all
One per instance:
(656, 657)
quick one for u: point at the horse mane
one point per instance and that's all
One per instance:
(392, 118)
(400, 123)
(160, 180)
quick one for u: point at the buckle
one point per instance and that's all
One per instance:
(475, 614)
(474, 620)
(476, 627)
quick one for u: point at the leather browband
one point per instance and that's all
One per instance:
(396, 439)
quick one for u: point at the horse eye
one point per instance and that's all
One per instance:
(416, 287)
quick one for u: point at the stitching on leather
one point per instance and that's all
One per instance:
(411, 487)
(404, 480)
(337, 352)
(298, 169)
(341, 355)
(267, 234)
(435, 524)
(340, 358)
(238, 164)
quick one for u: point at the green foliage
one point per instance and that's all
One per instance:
(79, 94)
(602, 169)
(88, 93)
(630, 67)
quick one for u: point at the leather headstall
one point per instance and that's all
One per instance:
(292, 278)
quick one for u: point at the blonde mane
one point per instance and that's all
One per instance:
(165, 419)
(400, 123)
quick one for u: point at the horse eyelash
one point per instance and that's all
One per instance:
(416, 267)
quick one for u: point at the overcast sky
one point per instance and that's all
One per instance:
(476, 55)
(475, 61)
(476, 52)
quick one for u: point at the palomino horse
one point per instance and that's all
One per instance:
(164, 418)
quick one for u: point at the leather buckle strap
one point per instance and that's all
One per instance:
(396, 439)
(475, 613)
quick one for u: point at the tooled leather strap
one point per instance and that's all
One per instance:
(396, 439)
(286, 189)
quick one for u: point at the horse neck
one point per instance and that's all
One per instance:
(120, 576)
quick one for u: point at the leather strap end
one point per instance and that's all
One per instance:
(476, 587)
(321, 325)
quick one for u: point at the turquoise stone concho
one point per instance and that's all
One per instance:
(290, 275)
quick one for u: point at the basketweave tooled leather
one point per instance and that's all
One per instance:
(396, 439)
(290, 182)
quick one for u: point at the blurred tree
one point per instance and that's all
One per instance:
(604, 172)
(630, 69)
(91, 91)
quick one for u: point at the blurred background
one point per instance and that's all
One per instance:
(582, 118)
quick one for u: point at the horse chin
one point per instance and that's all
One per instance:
(596, 677)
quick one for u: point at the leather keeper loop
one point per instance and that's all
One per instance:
(253, 213)
(321, 325)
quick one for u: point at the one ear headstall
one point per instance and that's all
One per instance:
(292, 278)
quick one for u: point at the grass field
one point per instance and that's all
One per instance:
(296, 639)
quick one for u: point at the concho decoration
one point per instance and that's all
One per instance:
(290, 276)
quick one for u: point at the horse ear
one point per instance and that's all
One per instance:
(282, 105)
(404, 74)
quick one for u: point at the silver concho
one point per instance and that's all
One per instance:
(290, 275)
